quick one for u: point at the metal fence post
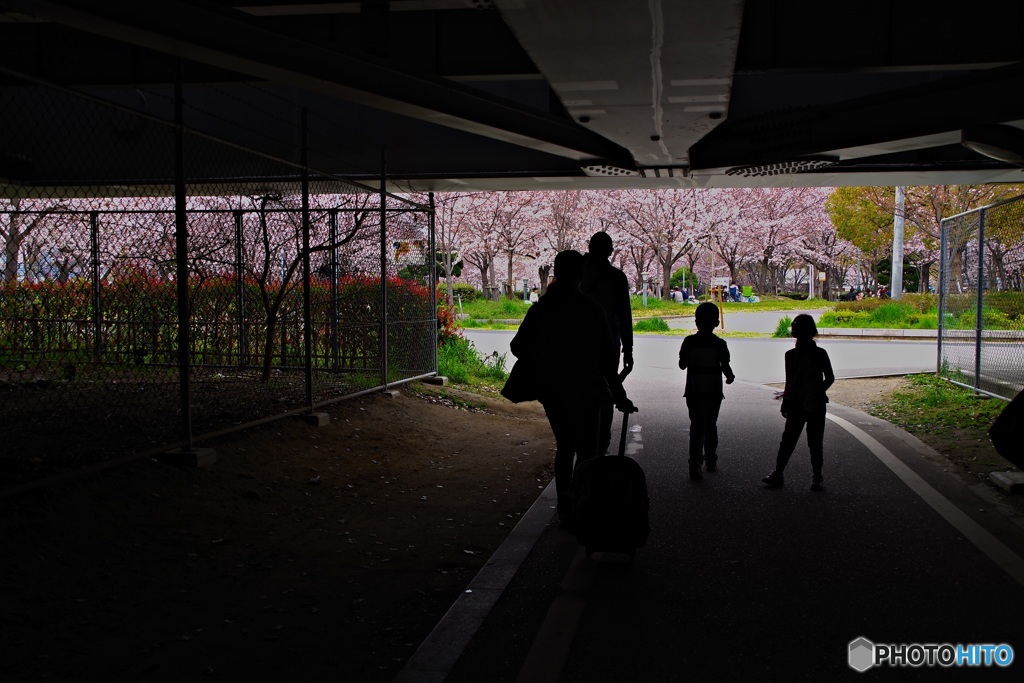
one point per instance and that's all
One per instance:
(383, 271)
(181, 262)
(307, 305)
(97, 301)
(980, 314)
(943, 282)
(243, 341)
(433, 277)
(332, 230)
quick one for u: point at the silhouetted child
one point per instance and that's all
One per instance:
(705, 357)
(808, 377)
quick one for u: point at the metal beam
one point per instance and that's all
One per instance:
(924, 113)
(233, 41)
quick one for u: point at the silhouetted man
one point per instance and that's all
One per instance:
(565, 337)
(610, 287)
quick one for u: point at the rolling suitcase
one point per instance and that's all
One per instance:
(610, 502)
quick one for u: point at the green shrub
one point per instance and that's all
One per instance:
(460, 361)
(782, 328)
(923, 303)
(862, 305)
(1010, 303)
(655, 305)
(845, 318)
(650, 325)
(892, 314)
(459, 289)
(504, 309)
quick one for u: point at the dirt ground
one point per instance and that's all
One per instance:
(303, 554)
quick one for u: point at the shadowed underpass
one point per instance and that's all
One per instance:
(738, 582)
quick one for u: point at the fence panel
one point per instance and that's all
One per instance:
(981, 302)
(90, 314)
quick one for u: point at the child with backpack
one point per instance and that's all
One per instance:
(705, 357)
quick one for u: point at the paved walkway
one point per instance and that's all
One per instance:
(739, 582)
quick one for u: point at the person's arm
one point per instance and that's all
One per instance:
(826, 368)
(730, 376)
(523, 340)
(625, 320)
(684, 355)
(599, 333)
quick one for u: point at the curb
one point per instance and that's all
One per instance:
(441, 650)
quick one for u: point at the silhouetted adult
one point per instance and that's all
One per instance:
(808, 376)
(705, 357)
(564, 336)
(610, 287)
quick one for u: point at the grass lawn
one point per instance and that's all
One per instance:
(951, 419)
(492, 314)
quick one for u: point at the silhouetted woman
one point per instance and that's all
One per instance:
(566, 338)
(808, 376)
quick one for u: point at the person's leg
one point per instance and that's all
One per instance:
(607, 411)
(698, 424)
(790, 435)
(565, 449)
(586, 419)
(711, 409)
(816, 444)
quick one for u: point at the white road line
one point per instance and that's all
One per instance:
(1008, 560)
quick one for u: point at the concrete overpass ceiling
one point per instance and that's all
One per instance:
(575, 94)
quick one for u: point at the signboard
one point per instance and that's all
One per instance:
(719, 282)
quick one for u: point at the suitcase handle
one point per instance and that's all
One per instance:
(622, 437)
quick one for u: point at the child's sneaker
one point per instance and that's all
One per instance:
(816, 481)
(774, 480)
(711, 464)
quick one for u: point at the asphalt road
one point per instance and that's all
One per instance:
(738, 582)
(755, 360)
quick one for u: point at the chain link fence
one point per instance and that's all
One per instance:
(981, 299)
(161, 284)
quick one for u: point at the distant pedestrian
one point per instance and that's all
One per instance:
(705, 357)
(808, 376)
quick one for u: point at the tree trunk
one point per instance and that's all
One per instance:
(544, 272)
(268, 346)
(12, 247)
(510, 287)
(924, 280)
(666, 277)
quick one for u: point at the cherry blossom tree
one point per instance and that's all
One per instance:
(716, 224)
(453, 220)
(663, 221)
(567, 220)
(772, 220)
(926, 206)
(822, 247)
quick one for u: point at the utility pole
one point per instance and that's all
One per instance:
(896, 269)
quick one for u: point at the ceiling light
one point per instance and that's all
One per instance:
(605, 170)
(783, 167)
(1000, 142)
